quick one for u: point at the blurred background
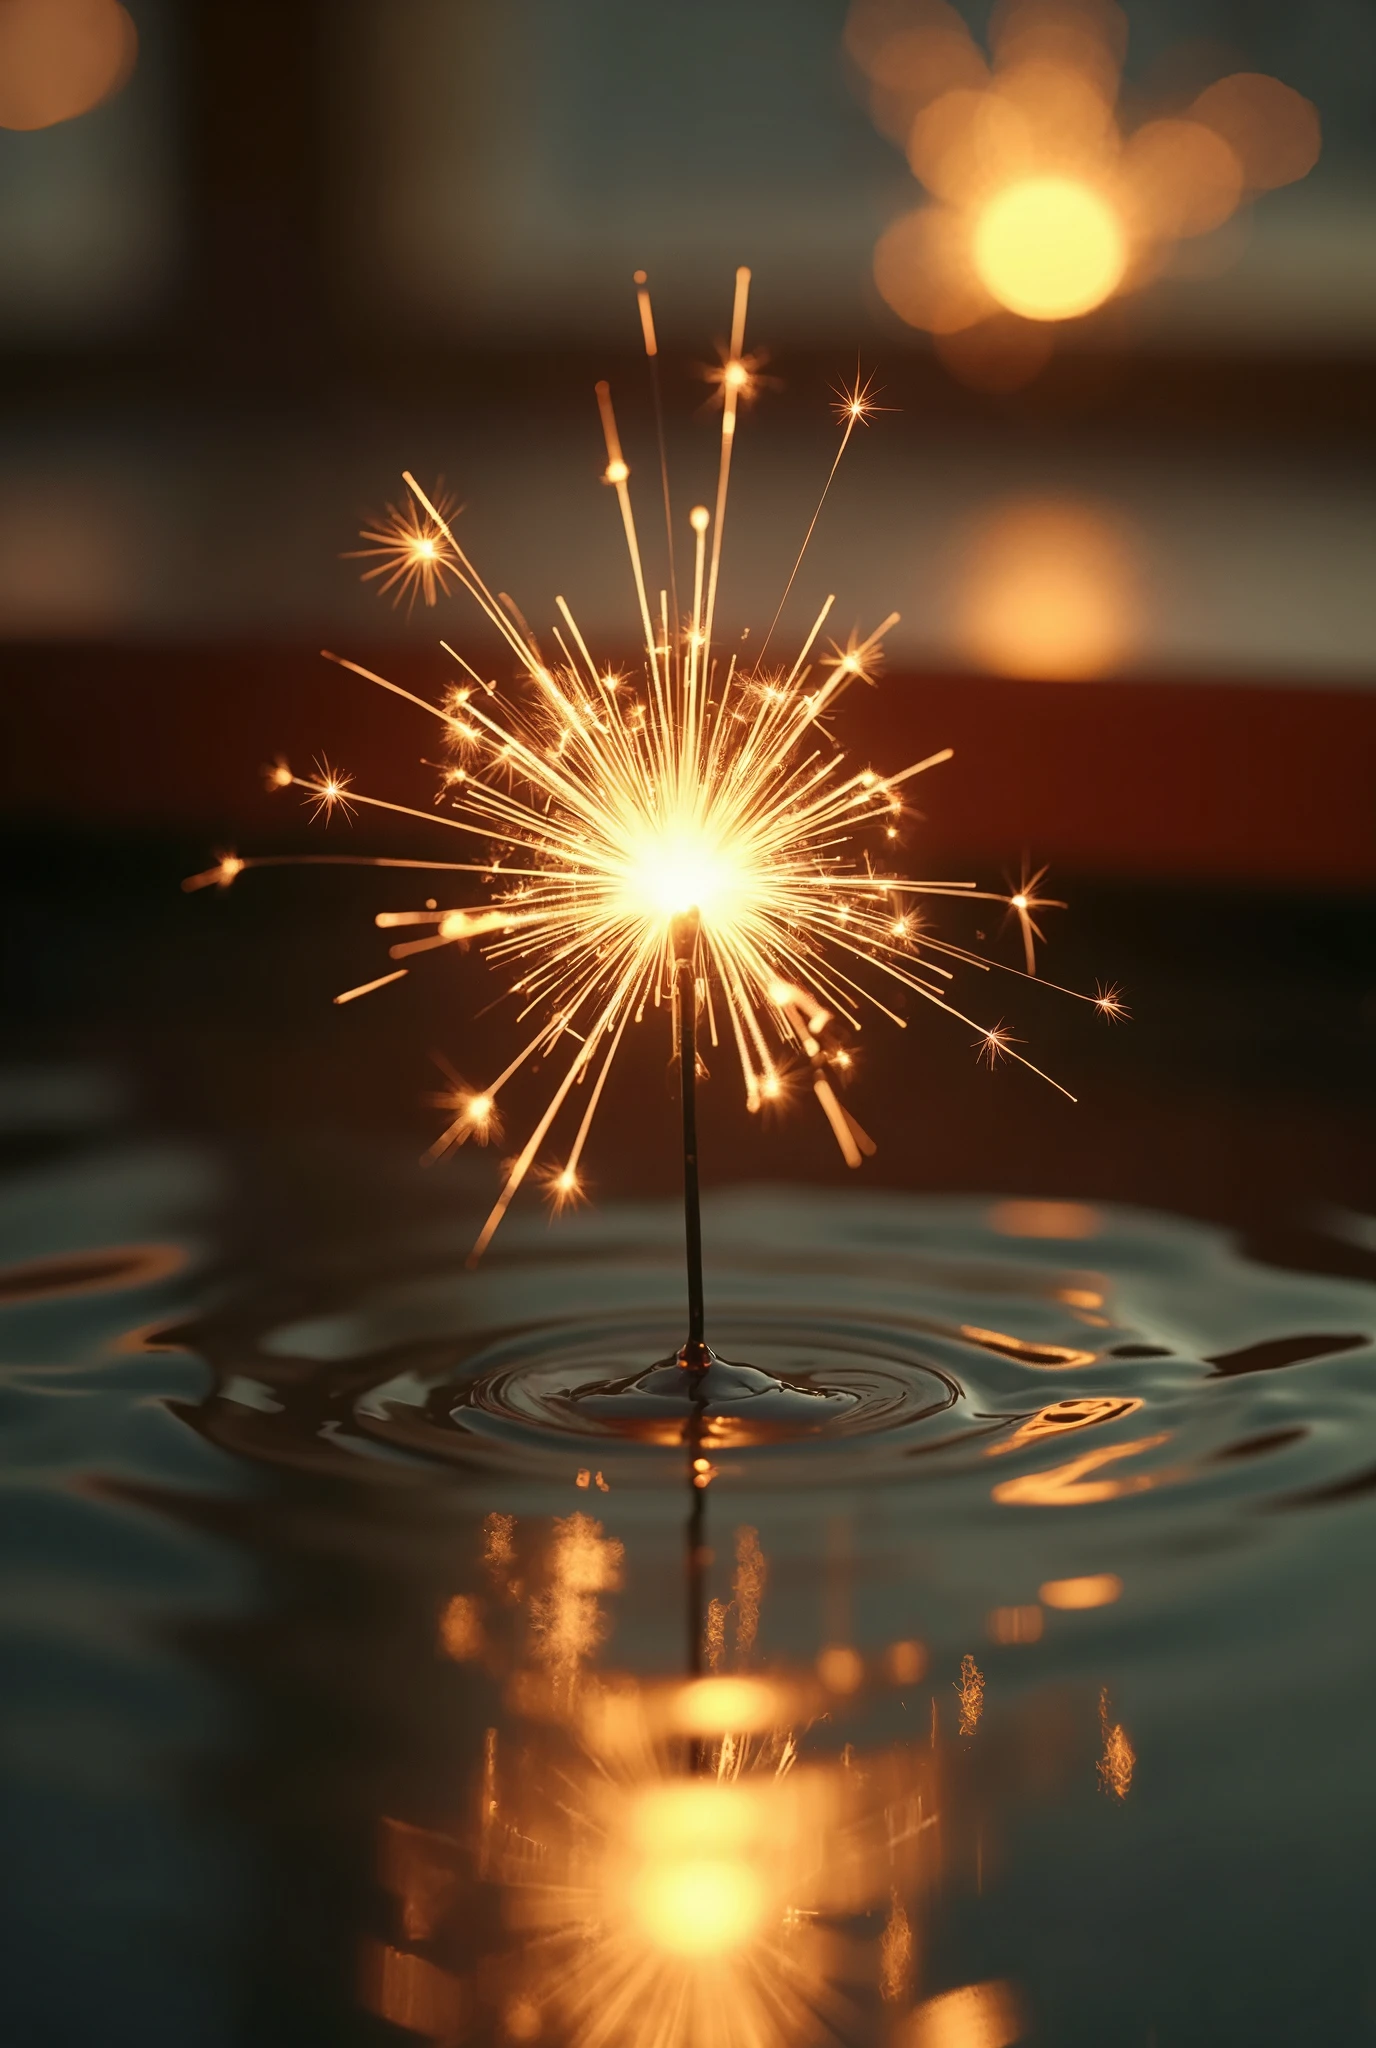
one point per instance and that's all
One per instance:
(1114, 273)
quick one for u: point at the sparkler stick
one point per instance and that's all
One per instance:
(685, 937)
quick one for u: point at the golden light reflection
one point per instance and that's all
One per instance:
(841, 1669)
(975, 2016)
(1045, 1357)
(1060, 1417)
(665, 1911)
(1095, 1589)
(1016, 1624)
(671, 1863)
(499, 1544)
(418, 1867)
(1073, 1484)
(411, 1992)
(752, 1574)
(905, 1662)
(897, 1955)
(567, 1620)
(721, 1706)
(1047, 199)
(1119, 1758)
(970, 1695)
(61, 58)
(1049, 590)
(1044, 1219)
(461, 1629)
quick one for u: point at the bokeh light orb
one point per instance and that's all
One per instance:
(60, 58)
(1049, 590)
(1049, 248)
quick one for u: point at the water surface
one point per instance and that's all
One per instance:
(326, 1602)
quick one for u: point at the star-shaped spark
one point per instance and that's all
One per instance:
(412, 550)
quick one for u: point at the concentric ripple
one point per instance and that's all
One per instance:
(1093, 1355)
(584, 1386)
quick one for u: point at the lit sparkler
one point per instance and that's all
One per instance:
(688, 840)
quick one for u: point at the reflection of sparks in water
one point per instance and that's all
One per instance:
(1016, 1624)
(668, 1863)
(1095, 1589)
(666, 1910)
(461, 1629)
(975, 2016)
(1046, 1357)
(499, 1544)
(1119, 1757)
(1044, 1219)
(1071, 1484)
(567, 1621)
(1086, 1412)
(896, 1955)
(671, 1869)
(905, 1662)
(605, 807)
(970, 1694)
(741, 1614)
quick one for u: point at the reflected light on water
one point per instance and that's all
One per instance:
(665, 1863)
(970, 1695)
(63, 1273)
(1096, 1589)
(905, 1662)
(1072, 1484)
(567, 1623)
(1061, 1417)
(1048, 591)
(723, 1706)
(1045, 1357)
(1119, 1758)
(1016, 1624)
(411, 1992)
(461, 1629)
(699, 1888)
(976, 2016)
(1044, 1219)
(897, 1954)
(840, 1669)
(60, 58)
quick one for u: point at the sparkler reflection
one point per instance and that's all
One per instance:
(665, 1862)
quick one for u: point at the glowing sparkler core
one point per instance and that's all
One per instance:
(680, 867)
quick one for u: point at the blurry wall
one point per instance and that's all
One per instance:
(517, 161)
(488, 170)
(91, 227)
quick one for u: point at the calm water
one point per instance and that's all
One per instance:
(348, 1659)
